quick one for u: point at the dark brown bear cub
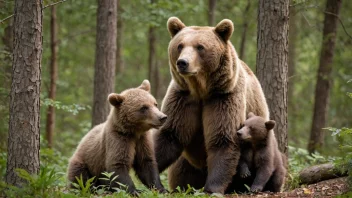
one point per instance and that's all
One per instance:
(260, 158)
(122, 142)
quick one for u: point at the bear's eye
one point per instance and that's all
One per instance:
(156, 104)
(200, 47)
(144, 108)
(179, 47)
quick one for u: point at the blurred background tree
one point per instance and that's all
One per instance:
(76, 37)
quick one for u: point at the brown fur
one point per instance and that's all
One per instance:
(209, 95)
(122, 142)
(261, 165)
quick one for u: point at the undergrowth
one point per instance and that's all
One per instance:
(51, 180)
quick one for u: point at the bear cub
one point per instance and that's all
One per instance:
(260, 158)
(122, 142)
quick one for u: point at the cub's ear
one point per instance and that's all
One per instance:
(270, 124)
(115, 99)
(250, 114)
(174, 25)
(145, 85)
(224, 29)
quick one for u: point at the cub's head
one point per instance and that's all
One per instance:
(194, 50)
(255, 129)
(136, 108)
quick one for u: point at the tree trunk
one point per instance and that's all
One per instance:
(105, 59)
(119, 60)
(245, 28)
(272, 58)
(211, 12)
(151, 60)
(24, 130)
(50, 121)
(291, 66)
(152, 69)
(322, 87)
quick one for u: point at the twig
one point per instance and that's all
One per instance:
(52, 4)
(337, 16)
(305, 18)
(6, 18)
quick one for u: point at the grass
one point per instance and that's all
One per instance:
(51, 181)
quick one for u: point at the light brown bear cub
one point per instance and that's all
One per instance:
(260, 158)
(122, 142)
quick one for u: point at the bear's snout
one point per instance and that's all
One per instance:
(182, 65)
(162, 119)
(239, 133)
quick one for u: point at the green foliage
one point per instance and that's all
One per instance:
(84, 188)
(73, 108)
(41, 185)
(345, 162)
(298, 160)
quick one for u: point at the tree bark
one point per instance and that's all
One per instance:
(24, 130)
(151, 59)
(272, 58)
(105, 59)
(322, 87)
(119, 60)
(152, 69)
(245, 28)
(211, 12)
(50, 121)
(291, 66)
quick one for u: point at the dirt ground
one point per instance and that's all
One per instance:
(327, 188)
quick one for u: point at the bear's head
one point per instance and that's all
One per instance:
(199, 51)
(255, 129)
(136, 109)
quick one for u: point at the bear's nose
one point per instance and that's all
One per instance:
(182, 64)
(162, 119)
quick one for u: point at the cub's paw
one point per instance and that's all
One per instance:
(256, 189)
(245, 173)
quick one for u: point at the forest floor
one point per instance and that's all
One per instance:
(327, 188)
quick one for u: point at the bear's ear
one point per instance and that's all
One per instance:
(224, 29)
(145, 85)
(270, 124)
(250, 114)
(115, 99)
(174, 25)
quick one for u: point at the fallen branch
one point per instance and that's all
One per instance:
(319, 173)
(344, 29)
(52, 4)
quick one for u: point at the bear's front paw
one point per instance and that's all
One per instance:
(245, 173)
(256, 189)
(136, 192)
(163, 190)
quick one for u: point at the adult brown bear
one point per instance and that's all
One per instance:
(209, 96)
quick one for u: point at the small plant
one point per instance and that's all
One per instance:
(298, 160)
(344, 135)
(84, 188)
(41, 185)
